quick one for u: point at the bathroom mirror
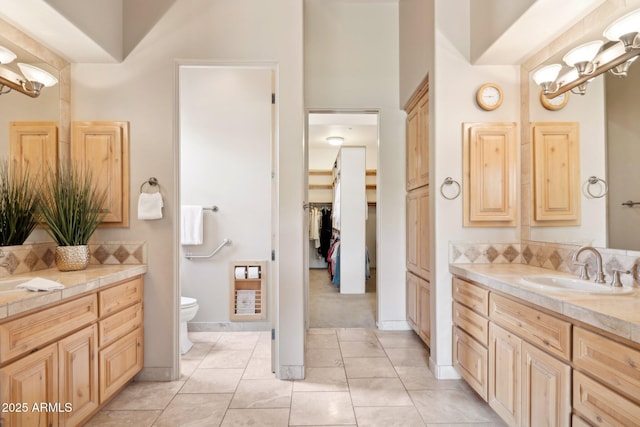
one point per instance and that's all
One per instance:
(609, 149)
(15, 106)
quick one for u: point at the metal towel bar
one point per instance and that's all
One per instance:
(224, 243)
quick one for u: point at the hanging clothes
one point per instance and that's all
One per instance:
(315, 221)
(325, 233)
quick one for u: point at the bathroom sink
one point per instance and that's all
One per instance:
(572, 285)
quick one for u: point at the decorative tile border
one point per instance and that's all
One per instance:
(39, 256)
(484, 253)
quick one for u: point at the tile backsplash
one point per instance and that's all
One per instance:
(39, 256)
(552, 256)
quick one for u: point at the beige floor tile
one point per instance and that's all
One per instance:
(321, 408)
(322, 341)
(145, 395)
(357, 334)
(213, 381)
(321, 331)
(361, 349)
(399, 339)
(187, 366)
(237, 341)
(123, 418)
(452, 406)
(322, 379)
(263, 349)
(206, 337)
(369, 367)
(259, 368)
(323, 358)
(413, 357)
(421, 378)
(497, 423)
(400, 416)
(198, 351)
(226, 359)
(195, 410)
(378, 392)
(271, 393)
(271, 417)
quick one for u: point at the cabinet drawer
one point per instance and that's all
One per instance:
(471, 360)
(29, 332)
(474, 297)
(548, 332)
(120, 296)
(120, 324)
(119, 362)
(615, 364)
(601, 406)
(471, 322)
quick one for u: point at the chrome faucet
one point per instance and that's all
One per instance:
(583, 273)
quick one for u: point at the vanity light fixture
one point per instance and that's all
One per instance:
(591, 59)
(36, 78)
(335, 140)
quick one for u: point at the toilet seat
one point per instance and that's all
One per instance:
(186, 302)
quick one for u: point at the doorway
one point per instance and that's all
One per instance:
(342, 159)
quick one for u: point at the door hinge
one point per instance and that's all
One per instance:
(273, 98)
(273, 255)
(273, 334)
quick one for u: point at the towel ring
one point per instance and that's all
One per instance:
(153, 182)
(593, 180)
(448, 181)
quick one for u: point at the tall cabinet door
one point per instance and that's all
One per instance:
(413, 155)
(505, 374)
(423, 141)
(30, 381)
(33, 146)
(103, 148)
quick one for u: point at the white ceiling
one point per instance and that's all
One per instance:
(355, 128)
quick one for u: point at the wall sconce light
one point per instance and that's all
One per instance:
(591, 59)
(31, 82)
(335, 140)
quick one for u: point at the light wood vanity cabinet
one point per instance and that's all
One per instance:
(419, 306)
(75, 355)
(33, 146)
(418, 236)
(418, 138)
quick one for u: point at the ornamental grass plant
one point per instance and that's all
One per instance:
(18, 205)
(70, 206)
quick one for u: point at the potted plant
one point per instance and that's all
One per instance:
(71, 208)
(18, 204)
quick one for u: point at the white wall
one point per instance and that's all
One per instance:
(351, 61)
(417, 44)
(225, 162)
(142, 90)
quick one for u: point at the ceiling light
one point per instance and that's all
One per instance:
(546, 75)
(582, 57)
(335, 140)
(6, 56)
(624, 29)
(31, 82)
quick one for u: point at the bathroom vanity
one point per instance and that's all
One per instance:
(541, 357)
(65, 353)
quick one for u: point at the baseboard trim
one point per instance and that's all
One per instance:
(155, 374)
(228, 326)
(443, 372)
(393, 325)
(291, 372)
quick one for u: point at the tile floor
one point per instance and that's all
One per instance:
(355, 377)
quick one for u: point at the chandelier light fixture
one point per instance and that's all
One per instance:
(591, 59)
(30, 83)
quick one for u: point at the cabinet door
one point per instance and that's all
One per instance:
(423, 244)
(470, 359)
(424, 306)
(79, 374)
(119, 362)
(546, 389)
(423, 141)
(490, 172)
(412, 301)
(33, 146)
(556, 173)
(504, 374)
(412, 154)
(413, 207)
(31, 381)
(103, 148)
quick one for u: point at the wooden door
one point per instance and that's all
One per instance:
(423, 141)
(470, 359)
(78, 374)
(413, 217)
(103, 148)
(32, 380)
(424, 305)
(119, 362)
(556, 173)
(505, 374)
(424, 234)
(546, 389)
(490, 172)
(33, 147)
(412, 300)
(413, 155)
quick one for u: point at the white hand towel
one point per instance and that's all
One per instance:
(191, 227)
(150, 206)
(40, 284)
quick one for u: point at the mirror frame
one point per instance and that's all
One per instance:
(37, 49)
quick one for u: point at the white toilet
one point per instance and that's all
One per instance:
(188, 310)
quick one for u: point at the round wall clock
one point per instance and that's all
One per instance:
(556, 103)
(489, 96)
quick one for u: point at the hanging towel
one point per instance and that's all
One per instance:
(150, 206)
(40, 284)
(191, 230)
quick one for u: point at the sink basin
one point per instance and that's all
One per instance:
(572, 285)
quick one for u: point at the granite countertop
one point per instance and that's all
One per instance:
(17, 301)
(617, 314)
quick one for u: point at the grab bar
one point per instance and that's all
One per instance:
(224, 243)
